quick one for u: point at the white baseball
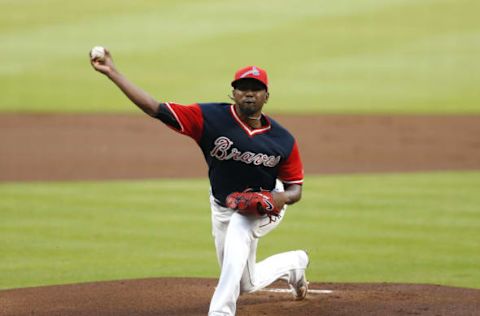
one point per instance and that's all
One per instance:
(97, 53)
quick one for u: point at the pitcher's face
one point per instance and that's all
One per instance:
(250, 95)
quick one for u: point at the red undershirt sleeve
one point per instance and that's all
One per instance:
(291, 170)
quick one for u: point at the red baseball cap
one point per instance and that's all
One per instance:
(252, 72)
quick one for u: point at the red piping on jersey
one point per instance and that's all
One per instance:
(245, 127)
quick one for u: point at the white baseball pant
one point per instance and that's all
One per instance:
(236, 239)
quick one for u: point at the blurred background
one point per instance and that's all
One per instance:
(369, 56)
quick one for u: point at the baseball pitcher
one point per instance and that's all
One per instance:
(255, 171)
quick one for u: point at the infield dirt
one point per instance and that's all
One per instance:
(82, 147)
(191, 297)
(88, 147)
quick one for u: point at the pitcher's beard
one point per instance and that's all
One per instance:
(247, 110)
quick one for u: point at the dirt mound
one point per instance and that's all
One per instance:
(80, 147)
(178, 296)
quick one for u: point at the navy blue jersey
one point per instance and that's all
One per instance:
(238, 157)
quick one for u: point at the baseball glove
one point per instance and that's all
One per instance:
(253, 204)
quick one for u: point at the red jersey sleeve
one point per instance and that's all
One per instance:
(291, 169)
(189, 118)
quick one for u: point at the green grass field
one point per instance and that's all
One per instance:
(417, 228)
(346, 56)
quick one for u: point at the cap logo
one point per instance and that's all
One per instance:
(254, 71)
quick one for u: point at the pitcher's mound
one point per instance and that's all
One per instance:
(178, 296)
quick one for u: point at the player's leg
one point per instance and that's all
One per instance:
(289, 266)
(220, 220)
(236, 250)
